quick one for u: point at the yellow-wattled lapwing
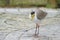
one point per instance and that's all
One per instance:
(37, 16)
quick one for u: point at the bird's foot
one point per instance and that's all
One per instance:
(36, 35)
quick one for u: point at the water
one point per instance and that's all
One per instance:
(14, 23)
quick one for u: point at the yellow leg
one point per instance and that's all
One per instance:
(37, 29)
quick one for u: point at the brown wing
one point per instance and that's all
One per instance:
(41, 14)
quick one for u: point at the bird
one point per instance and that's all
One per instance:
(36, 16)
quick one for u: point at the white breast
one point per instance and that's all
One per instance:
(35, 19)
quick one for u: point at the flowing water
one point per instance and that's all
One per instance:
(16, 25)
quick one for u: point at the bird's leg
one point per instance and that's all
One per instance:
(36, 29)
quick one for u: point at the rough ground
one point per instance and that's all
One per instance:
(20, 27)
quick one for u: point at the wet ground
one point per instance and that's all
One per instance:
(19, 27)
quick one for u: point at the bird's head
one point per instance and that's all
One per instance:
(32, 15)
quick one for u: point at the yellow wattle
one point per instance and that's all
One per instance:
(32, 16)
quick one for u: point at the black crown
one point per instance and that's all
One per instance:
(32, 13)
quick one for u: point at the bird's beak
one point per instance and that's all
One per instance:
(32, 16)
